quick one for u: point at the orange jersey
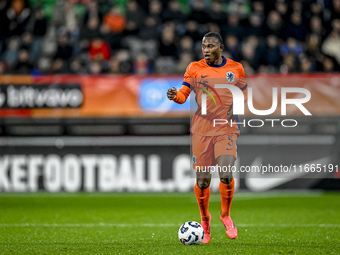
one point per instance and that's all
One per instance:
(201, 77)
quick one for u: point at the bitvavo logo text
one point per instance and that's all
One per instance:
(238, 105)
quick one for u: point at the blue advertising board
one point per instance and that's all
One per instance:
(153, 95)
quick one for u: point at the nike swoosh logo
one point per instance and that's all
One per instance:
(256, 182)
(229, 149)
(204, 76)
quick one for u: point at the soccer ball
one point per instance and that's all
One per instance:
(191, 232)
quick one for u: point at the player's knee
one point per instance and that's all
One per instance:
(226, 180)
(203, 184)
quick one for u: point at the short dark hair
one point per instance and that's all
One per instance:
(215, 35)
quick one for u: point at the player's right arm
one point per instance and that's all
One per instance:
(182, 95)
(179, 96)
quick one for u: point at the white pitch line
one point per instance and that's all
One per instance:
(243, 195)
(90, 225)
(255, 196)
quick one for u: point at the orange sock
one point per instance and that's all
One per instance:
(227, 193)
(202, 197)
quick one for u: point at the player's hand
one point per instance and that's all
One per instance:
(231, 116)
(172, 93)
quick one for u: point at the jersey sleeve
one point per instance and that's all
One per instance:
(242, 83)
(184, 92)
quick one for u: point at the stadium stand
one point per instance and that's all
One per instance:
(162, 37)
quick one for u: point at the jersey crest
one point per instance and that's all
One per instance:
(194, 160)
(230, 77)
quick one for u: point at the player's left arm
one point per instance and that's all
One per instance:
(241, 83)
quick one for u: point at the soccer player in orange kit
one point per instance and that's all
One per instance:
(213, 144)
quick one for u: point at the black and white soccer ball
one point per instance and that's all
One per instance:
(191, 232)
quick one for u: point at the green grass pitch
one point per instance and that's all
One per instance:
(121, 223)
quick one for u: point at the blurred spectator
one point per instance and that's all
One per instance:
(18, 16)
(33, 45)
(134, 18)
(26, 41)
(258, 7)
(291, 47)
(114, 66)
(247, 67)
(316, 27)
(263, 70)
(191, 30)
(336, 25)
(297, 6)
(295, 27)
(184, 60)
(255, 26)
(23, 65)
(234, 27)
(11, 53)
(327, 64)
(258, 46)
(147, 40)
(335, 10)
(216, 13)
(99, 50)
(76, 67)
(272, 56)
(64, 49)
(143, 5)
(58, 67)
(150, 29)
(70, 19)
(4, 24)
(120, 63)
(331, 46)
(231, 45)
(173, 12)
(115, 20)
(290, 64)
(198, 12)
(248, 55)
(141, 65)
(239, 8)
(91, 30)
(95, 67)
(155, 10)
(274, 25)
(313, 45)
(306, 66)
(92, 12)
(316, 9)
(165, 65)
(40, 23)
(81, 50)
(213, 27)
(282, 8)
(167, 45)
(113, 39)
(186, 44)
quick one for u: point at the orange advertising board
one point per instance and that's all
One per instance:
(107, 96)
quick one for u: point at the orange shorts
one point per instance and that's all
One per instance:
(206, 149)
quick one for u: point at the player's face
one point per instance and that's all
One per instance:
(211, 49)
